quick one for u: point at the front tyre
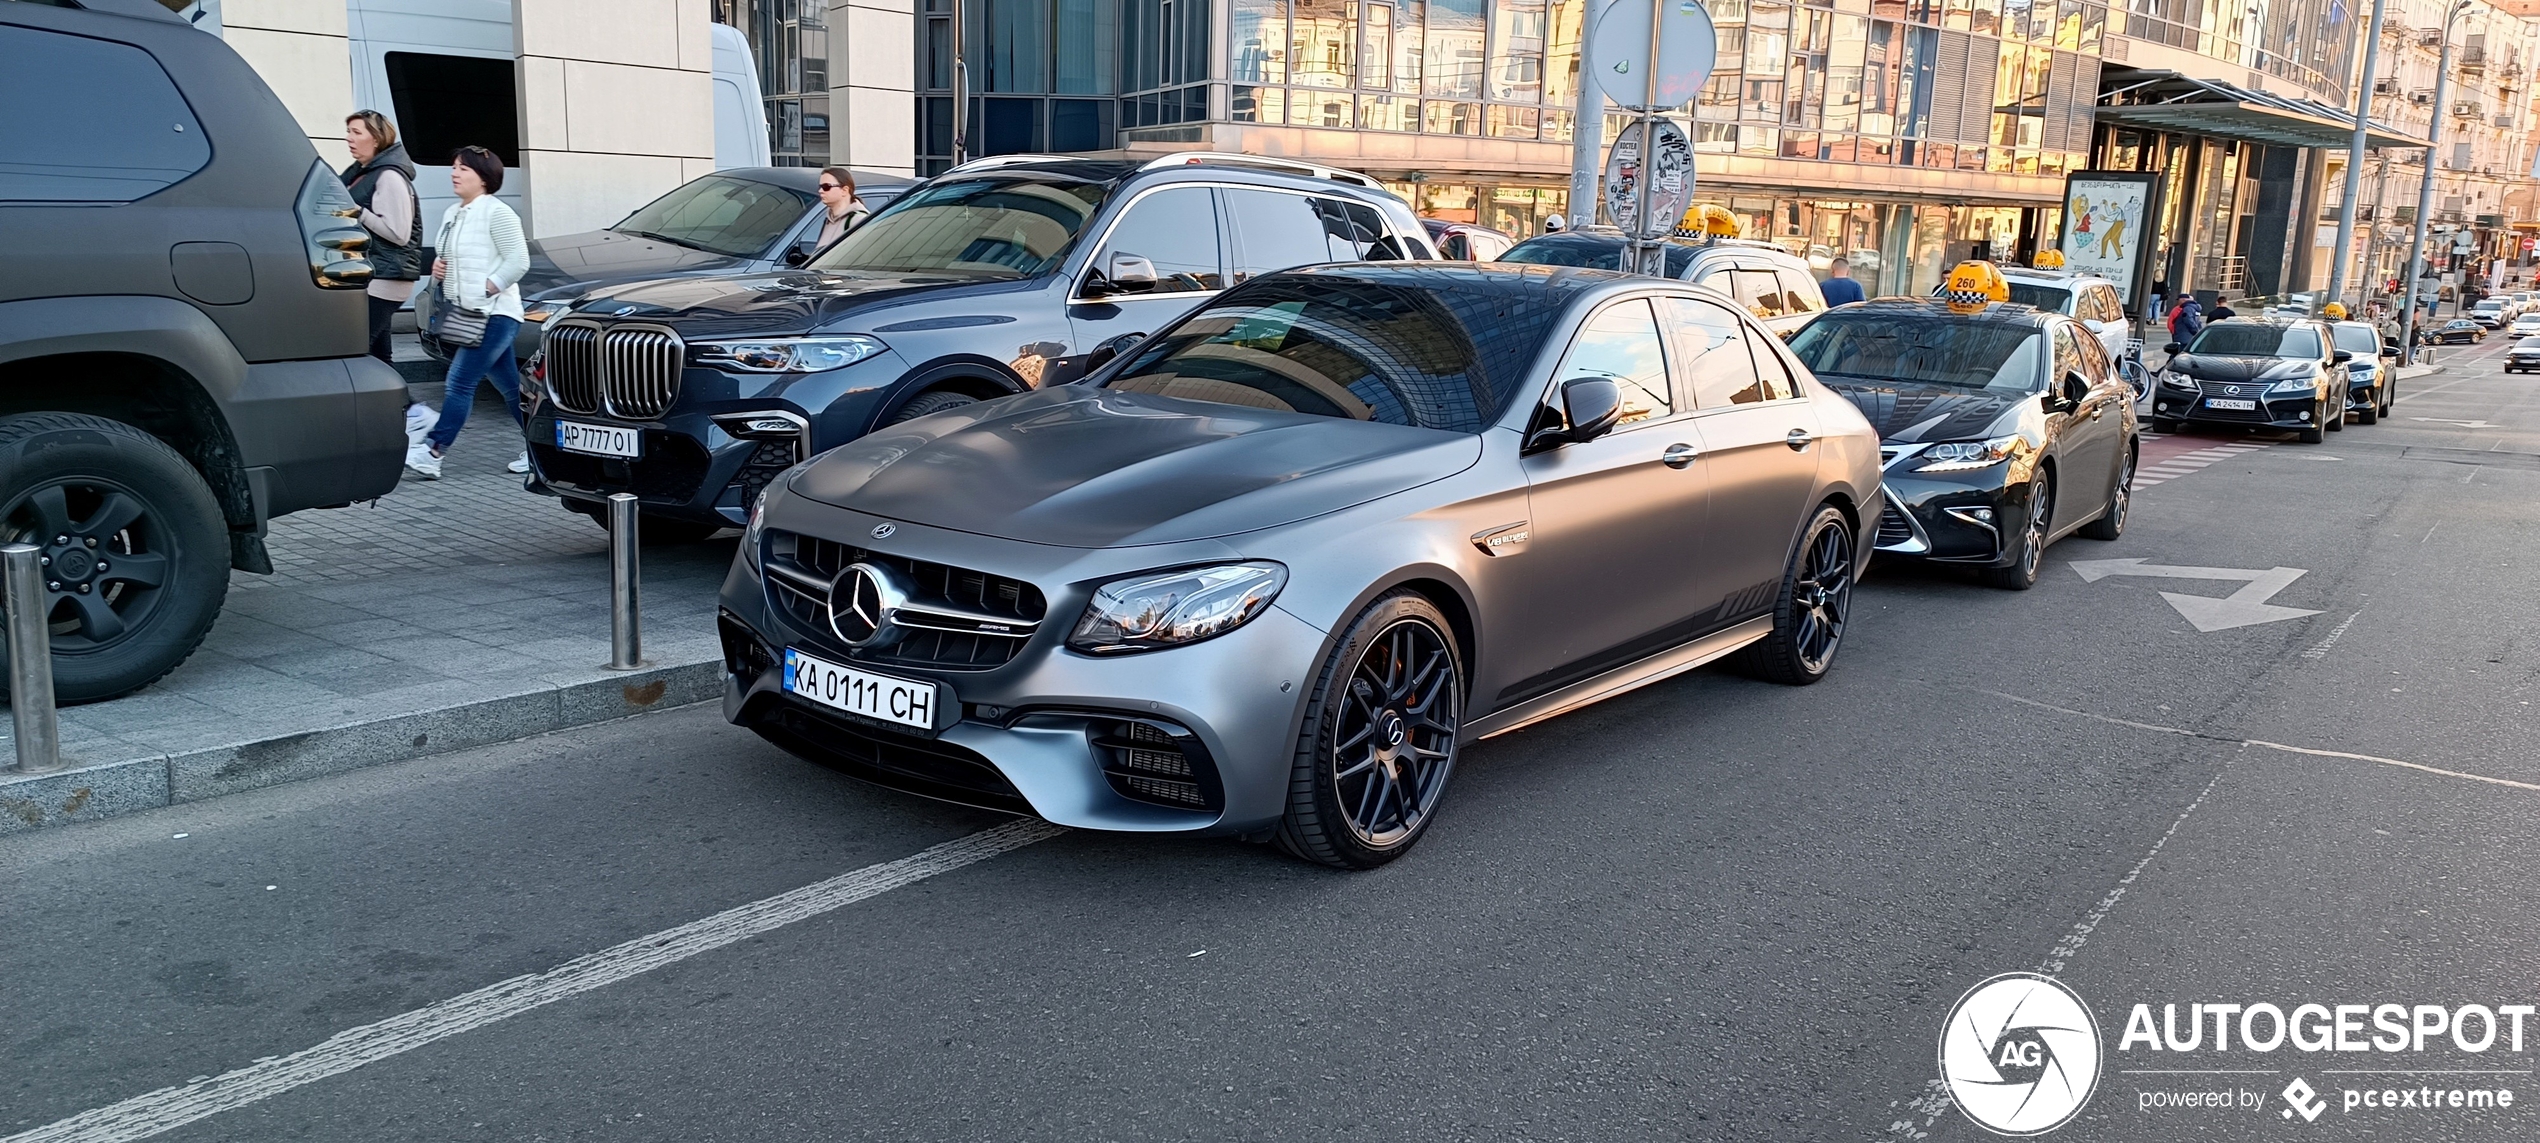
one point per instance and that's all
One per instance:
(1812, 608)
(2028, 546)
(2111, 523)
(1379, 740)
(136, 551)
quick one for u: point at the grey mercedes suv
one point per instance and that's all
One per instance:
(1265, 575)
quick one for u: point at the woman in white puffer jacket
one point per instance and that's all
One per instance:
(481, 256)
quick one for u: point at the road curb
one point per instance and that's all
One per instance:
(110, 789)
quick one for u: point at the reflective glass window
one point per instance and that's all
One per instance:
(1622, 342)
(1712, 359)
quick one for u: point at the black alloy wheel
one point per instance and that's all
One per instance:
(2028, 547)
(1812, 609)
(1379, 742)
(2111, 523)
(135, 551)
(928, 404)
(2333, 411)
(2317, 430)
(2370, 414)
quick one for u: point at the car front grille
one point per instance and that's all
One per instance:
(623, 370)
(942, 601)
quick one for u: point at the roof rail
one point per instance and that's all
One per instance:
(993, 161)
(1292, 166)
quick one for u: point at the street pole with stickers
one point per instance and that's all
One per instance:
(1651, 56)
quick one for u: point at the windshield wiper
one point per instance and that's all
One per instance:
(665, 238)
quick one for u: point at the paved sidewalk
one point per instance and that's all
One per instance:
(448, 613)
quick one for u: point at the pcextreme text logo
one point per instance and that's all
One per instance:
(2020, 1054)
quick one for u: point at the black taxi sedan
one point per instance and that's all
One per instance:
(2001, 431)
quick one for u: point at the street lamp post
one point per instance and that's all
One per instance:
(2355, 164)
(2425, 189)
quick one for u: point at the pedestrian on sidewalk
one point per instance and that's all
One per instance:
(1840, 287)
(2222, 309)
(2187, 320)
(382, 182)
(838, 198)
(482, 257)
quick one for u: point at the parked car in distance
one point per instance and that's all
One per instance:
(1772, 283)
(2372, 374)
(995, 278)
(1270, 573)
(745, 221)
(2091, 300)
(2460, 331)
(2001, 431)
(2524, 357)
(2258, 373)
(2489, 312)
(1466, 242)
(183, 332)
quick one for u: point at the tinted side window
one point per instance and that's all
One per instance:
(1356, 232)
(1622, 342)
(59, 145)
(448, 102)
(1760, 291)
(1711, 355)
(1456, 248)
(1175, 228)
(1276, 231)
(2067, 356)
(1770, 368)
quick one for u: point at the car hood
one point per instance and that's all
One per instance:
(1090, 468)
(572, 264)
(2214, 367)
(1906, 414)
(780, 302)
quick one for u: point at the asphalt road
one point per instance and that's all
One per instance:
(1711, 909)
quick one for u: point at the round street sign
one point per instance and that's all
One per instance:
(1670, 192)
(1618, 46)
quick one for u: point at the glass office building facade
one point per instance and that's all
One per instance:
(1901, 134)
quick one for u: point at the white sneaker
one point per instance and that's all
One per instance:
(421, 462)
(419, 421)
(519, 463)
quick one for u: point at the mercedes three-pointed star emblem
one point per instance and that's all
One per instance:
(861, 604)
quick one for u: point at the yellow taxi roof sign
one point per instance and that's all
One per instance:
(2048, 260)
(1973, 285)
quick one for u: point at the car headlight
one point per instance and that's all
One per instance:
(1966, 456)
(2177, 380)
(789, 354)
(2295, 385)
(1168, 609)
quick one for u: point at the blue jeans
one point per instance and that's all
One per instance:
(491, 360)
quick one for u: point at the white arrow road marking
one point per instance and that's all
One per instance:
(2463, 424)
(2246, 607)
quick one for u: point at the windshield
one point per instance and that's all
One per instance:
(719, 214)
(2528, 343)
(1587, 251)
(990, 227)
(1923, 350)
(2048, 298)
(2234, 339)
(1334, 346)
(2359, 340)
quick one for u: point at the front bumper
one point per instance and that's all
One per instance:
(2363, 390)
(1955, 517)
(1050, 731)
(2273, 410)
(2522, 363)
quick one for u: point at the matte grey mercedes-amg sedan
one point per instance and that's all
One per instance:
(1265, 575)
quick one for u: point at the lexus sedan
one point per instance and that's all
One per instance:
(2003, 431)
(1266, 573)
(2259, 373)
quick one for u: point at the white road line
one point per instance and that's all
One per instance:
(2430, 389)
(2395, 762)
(169, 1108)
(2253, 742)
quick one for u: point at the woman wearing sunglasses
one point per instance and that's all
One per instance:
(837, 197)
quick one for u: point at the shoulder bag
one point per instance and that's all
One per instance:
(454, 325)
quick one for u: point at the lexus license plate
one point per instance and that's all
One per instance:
(600, 440)
(2230, 403)
(860, 692)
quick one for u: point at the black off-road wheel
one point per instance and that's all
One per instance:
(2027, 545)
(1812, 608)
(136, 552)
(2111, 523)
(928, 404)
(1378, 746)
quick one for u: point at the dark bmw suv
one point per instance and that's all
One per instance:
(2271, 373)
(996, 278)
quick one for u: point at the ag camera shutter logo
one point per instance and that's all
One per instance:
(2020, 1054)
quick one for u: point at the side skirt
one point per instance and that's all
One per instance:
(1663, 665)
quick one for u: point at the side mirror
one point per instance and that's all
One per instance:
(1129, 274)
(1590, 406)
(2069, 393)
(1104, 353)
(2342, 357)
(797, 256)
(2094, 325)
(2173, 349)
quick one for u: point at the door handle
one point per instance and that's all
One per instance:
(1677, 456)
(1798, 439)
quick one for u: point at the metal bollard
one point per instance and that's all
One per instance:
(39, 732)
(626, 583)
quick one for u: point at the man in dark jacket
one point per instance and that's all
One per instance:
(2187, 320)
